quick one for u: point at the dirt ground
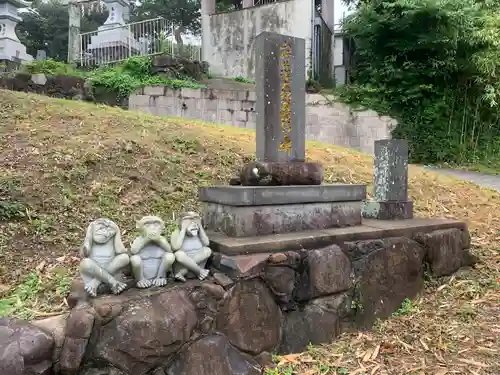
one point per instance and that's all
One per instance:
(65, 163)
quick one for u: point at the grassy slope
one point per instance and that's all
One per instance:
(66, 163)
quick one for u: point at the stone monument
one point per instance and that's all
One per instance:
(41, 55)
(103, 257)
(151, 255)
(114, 41)
(11, 49)
(390, 182)
(298, 201)
(280, 80)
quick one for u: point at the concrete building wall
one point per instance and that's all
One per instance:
(326, 121)
(229, 47)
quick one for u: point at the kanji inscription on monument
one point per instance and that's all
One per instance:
(280, 88)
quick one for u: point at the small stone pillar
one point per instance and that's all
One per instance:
(207, 9)
(390, 182)
(11, 48)
(74, 20)
(246, 4)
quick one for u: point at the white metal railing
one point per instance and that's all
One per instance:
(111, 44)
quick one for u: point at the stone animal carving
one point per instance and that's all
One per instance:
(190, 245)
(151, 255)
(104, 256)
(280, 174)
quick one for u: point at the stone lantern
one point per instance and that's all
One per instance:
(11, 49)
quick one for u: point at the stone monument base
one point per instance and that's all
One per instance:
(209, 327)
(390, 210)
(245, 211)
(112, 43)
(13, 50)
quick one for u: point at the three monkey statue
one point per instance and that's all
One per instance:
(151, 257)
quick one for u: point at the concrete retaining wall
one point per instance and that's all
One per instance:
(326, 121)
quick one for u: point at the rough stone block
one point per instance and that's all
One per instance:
(238, 266)
(247, 105)
(154, 90)
(328, 271)
(242, 95)
(240, 116)
(190, 93)
(248, 305)
(72, 354)
(215, 353)
(388, 210)
(39, 79)
(80, 323)
(211, 105)
(252, 118)
(268, 195)
(388, 271)
(139, 101)
(224, 104)
(318, 323)
(246, 221)
(172, 93)
(445, 250)
(211, 116)
(139, 321)
(225, 116)
(192, 105)
(225, 94)
(24, 348)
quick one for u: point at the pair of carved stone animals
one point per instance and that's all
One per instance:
(150, 257)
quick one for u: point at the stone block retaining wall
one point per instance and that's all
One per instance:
(231, 324)
(326, 121)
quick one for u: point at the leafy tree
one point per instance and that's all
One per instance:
(433, 66)
(184, 14)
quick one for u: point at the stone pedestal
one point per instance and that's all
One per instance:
(245, 211)
(390, 182)
(114, 40)
(11, 49)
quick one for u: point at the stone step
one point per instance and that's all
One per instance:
(370, 229)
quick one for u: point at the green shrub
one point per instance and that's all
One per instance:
(132, 74)
(50, 67)
(242, 79)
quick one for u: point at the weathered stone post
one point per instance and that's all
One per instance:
(280, 82)
(74, 19)
(207, 9)
(390, 182)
